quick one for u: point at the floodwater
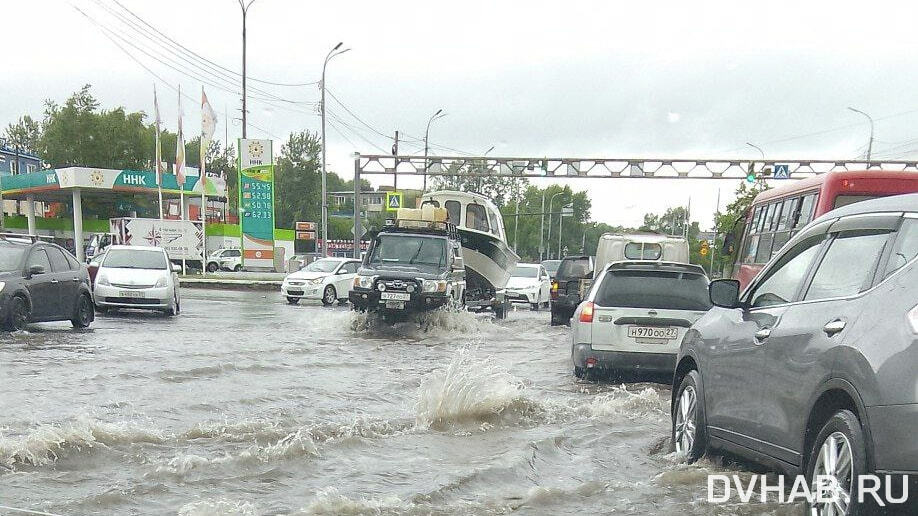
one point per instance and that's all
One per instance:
(245, 405)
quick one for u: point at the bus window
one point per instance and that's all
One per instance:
(752, 245)
(756, 215)
(769, 217)
(790, 206)
(763, 253)
(805, 214)
(776, 220)
(844, 200)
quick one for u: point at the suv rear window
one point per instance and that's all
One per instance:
(574, 268)
(654, 289)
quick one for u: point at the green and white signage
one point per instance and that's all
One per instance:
(256, 202)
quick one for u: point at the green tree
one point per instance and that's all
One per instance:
(475, 176)
(297, 181)
(728, 231)
(78, 133)
(23, 135)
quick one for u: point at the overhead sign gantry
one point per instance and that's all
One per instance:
(599, 168)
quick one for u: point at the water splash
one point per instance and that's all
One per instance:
(218, 507)
(471, 390)
(331, 501)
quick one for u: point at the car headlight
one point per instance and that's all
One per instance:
(316, 281)
(434, 286)
(2, 284)
(102, 279)
(364, 282)
(161, 282)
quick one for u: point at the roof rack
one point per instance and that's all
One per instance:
(422, 225)
(7, 235)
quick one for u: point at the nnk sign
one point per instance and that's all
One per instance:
(134, 179)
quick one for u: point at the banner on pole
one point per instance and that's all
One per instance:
(256, 202)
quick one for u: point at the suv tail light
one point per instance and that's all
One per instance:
(554, 289)
(913, 318)
(586, 313)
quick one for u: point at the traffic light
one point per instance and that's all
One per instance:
(750, 174)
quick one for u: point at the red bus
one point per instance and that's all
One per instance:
(777, 214)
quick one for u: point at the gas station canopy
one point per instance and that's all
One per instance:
(57, 185)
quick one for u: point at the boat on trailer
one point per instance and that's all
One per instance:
(489, 261)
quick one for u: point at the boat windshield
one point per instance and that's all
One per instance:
(409, 250)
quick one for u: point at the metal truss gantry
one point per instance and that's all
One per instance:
(594, 168)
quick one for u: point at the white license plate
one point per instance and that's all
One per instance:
(395, 296)
(395, 305)
(652, 332)
(132, 293)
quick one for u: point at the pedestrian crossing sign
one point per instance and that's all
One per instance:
(782, 171)
(393, 201)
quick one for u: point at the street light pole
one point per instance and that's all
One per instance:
(542, 228)
(438, 114)
(870, 141)
(245, 11)
(332, 53)
(561, 221)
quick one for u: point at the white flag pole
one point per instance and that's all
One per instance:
(158, 155)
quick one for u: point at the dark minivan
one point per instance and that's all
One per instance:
(575, 273)
(814, 368)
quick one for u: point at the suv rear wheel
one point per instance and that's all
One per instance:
(839, 455)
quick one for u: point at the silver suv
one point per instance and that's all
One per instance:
(814, 368)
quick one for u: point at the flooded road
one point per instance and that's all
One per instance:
(245, 405)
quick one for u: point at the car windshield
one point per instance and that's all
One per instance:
(525, 272)
(322, 266)
(135, 259)
(410, 250)
(575, 268)
(10, 258)
(654, 289)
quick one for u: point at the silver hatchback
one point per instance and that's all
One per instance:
(635, 315)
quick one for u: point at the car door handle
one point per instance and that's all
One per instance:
(75, 279)
(834, 327)
(54, 281)
(762, 334)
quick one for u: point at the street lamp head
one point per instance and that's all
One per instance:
(438, 112)
(338, 45)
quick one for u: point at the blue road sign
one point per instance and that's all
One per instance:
(781, 172)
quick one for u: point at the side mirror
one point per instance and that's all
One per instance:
(176, 267)
(35, 270)
(725, 293)
(458, 263)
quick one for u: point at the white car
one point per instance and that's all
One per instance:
(529, 283)
(328, 279)
(225, 259)
(137, 277)
(635, 315)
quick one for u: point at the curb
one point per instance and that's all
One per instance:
(228, 284)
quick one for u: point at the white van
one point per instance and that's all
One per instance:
(617, 247)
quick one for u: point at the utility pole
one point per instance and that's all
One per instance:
(245, 11)
(548, 238)
(395, 153)
(542, 227)
(870, 141)
(332, 53)
(438, 114)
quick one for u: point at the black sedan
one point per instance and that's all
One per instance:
(40, 281)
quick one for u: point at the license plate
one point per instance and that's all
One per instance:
(395, 305)
(395, 296)
(132, 293)
(652, 332)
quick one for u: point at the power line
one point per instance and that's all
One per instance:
(248, 77)
(196, 70)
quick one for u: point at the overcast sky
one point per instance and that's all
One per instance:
(583, 79)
